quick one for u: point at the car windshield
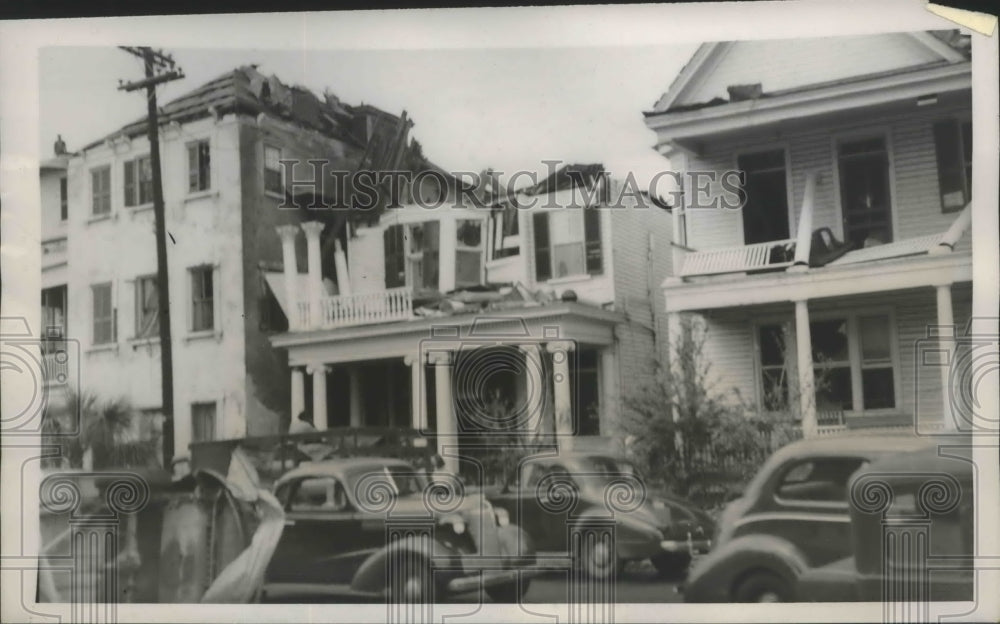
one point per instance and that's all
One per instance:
(394, 479)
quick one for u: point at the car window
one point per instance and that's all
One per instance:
(319, 493)
(818, 480)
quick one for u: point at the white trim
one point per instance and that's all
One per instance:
(829, 99)
(937, 46)
(829, 281)
(689, 72)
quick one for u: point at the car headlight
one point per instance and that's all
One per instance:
(503, 518)
(456, 522)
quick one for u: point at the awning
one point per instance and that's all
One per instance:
(276, 282)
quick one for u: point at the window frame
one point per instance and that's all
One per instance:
(280, 190)
(958, 123)
(792, 464)
(134, 199)
(63, 199)
(105, 194)
(202, 172)
(504, 245)
(212, 270)
(215, 420)
(480, 250)
(885, 133)
(585, 243)
(110, 319)
(139, 300)
(855, 356)
(791, 214)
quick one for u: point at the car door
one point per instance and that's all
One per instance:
(320, 540)
(809, 502)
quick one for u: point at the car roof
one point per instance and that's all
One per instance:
(854, 443)
(916, 465)
(340, 467)
(570, 456)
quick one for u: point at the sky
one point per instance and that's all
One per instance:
(508, 109)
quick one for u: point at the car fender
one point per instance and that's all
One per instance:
(713, 577)
(372, 576)
(634, 538)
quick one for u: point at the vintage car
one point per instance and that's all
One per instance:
(553, 497)
(374, 526)
(792, 516)
(912, 533)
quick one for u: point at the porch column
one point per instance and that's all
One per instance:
(447, 425)
(320, 419)
(355, 381)
(291, 270)
(560, 350)
(312, 230)
(418, 415)
(534, 390)
(298, 392)
(946, 331)
(807, 384)
(343, 276)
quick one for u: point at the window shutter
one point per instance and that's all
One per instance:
(951, 174)
(130, 182)
(543, 252)
(395, 269)
(592, 235)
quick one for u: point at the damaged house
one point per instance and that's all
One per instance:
(487, 315)
(222, 182)
(851, 250)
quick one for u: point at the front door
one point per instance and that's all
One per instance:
(865, 200)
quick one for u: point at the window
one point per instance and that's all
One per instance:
(506, 237)
(831, 364)
(863, 167)
(147, 307)
(54, 311)
(104, 314)
(273, 181)
(63, 199)
(422, 255)
(199, 168)
(854, 363)
(202, 299)
(202, 421)
(100, 190)
(819, 480)
(765, 214)
(953, 145)
(468, 252)
(139, 181)
(394, 240)
(319, 493)
(567, 243)
(773, 350)
(585, 391)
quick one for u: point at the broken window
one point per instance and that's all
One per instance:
(864, 191)
(199, 167)
(953, 145)
(139, 181)
(506, 237)
(147, 307)
(765, 214)
(422, 255)
(273, 181)
(395, 256)
(100, 190)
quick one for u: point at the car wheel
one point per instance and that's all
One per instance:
(413, 584)
(763, 587)
(671, 565)
(509, 593)
(597, 558)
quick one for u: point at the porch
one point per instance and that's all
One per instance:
(535, 373)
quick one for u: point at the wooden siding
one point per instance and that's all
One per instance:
(916, 201)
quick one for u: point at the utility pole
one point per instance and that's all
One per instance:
(159, 68)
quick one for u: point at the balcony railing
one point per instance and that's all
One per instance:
(384, 306)
(759, 256)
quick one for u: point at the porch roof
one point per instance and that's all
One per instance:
(833, 280)
(529, 324)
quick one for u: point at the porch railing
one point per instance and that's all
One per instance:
(770, 255)
(384, 306)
